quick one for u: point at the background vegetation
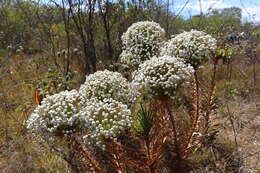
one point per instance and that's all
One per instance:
(49, 46)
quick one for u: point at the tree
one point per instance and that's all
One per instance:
(82, 14)
(233, 12)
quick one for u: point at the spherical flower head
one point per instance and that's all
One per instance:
(141, 41)
(193, 47)
(106, 118)
(57, 114)
(162, 76)
(107, 84)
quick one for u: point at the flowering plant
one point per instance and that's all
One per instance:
(58, 114)
(141, 41)
(106, 84)
(194, 47)
(105, 118)
(162, 76)
(100, 110)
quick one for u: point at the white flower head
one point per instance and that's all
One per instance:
(141, 42)
(106, 118)
(57, 114)
(162, 76)
(107, 84)
(194, 47)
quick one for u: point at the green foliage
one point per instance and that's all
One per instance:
(144, 121)
(50, 163)
(32, 50)
(55, 82)
(228, 89)
(225, 53)
(215, 22)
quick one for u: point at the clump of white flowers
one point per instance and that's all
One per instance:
(101, 106)
(194, 47)
(58, 114)
(107, 84)
(106, 96)
(106, 118)
(141, 42)
(162, 76)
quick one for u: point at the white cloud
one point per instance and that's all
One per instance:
(251, 13)
(207, 5)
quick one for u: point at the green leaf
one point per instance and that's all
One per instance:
(144, 122)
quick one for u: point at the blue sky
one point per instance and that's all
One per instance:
(250, 8)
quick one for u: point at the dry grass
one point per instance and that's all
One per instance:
(236, 118)
(18, 152)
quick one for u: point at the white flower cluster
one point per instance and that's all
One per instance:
(100, 107)
(106, 118)
(107, 84)
(58, 114)
(194, 47)
(162, 76)
(141, 42)
(107, 96)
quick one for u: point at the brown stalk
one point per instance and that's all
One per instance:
(191, 149)
(211, 91)
(118, 159)
(113, 148)
(195, 116)
(90, 157)
(148, 153)
(157, 136)
(156, 155)
(120, 167)
(153, 153)
(174, 130)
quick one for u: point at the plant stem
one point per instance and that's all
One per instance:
(85, 151)
(211, 91)
(174, 130)
(195, 116)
